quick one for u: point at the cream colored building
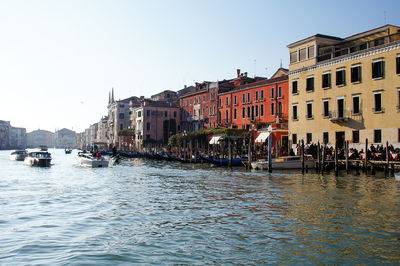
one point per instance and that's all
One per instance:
(346, 89)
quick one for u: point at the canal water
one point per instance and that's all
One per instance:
(154, 212)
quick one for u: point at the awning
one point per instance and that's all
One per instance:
(262, 137)
(215, 139)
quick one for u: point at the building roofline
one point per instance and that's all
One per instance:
(369, 32)
(316, 36)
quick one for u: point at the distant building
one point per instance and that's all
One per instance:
(102, 131)
(40, 137)
(5, 131)
(18, 138)
(65, 138)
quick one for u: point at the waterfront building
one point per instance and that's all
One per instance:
(155, 121)
(167, 96)
(65, 138)
(196, 107)
(102, 130)
(346, 88)
(40, 137)
(118, 116)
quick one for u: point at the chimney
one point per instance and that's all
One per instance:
(245, 74)
(238, 72)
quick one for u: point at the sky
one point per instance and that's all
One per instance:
(60, 59)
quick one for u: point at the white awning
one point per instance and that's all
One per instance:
(215, 139)
(262, 137)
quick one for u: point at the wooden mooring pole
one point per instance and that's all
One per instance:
(387, 159)
(323, 159)
(336, 159)
(229, 152)
(302, 156)
(318, 163)
(366, 155)
(270, 153)
(346, 147)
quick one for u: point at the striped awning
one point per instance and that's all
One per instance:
(262, 137)
(215, 139)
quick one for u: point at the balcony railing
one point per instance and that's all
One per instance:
(379, 41)
(338, 116)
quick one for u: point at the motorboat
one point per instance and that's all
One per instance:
(43, 148)
(38, 158)
(87, 159)
(18, 155)
(68, 151)
(224, 161)
(285, 162)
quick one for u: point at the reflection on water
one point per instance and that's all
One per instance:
(158, 212)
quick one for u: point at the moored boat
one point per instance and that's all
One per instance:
(68, 151)
(224, 161)
(88, 160)
(285, 162)
(18, 155)
(38, 158)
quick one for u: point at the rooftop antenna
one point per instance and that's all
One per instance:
(384, 17)
(281, 62)
(255, 64)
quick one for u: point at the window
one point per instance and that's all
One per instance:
(243, 98)
(257, 110)
(204, 98)
(272, 93)
(244, 112)
(293, 57)
(340, 107)
(165, 113)
(248, 97)
(256, 95)
(294, 111)
(311, 50)
(121, 126)
(302, 54)
(280, 109)
(248, 111)
(139, 114)
(262, 110)
(326, 80)
(309, 110)
(234, 113)
(309, 138)
(148, 126)
(356, 136)
(194, 112)
(340, 77)
(174, 114)
(294, 87)
(220, 102)
(227, 116)
(199, 101)
(252, 112)
(310, 83)
(398, 135)
(356, 105)
(398, 64)
(147, 136)
(325, 137)
(194, 100)
(326, 109)
(227, 101)
(187, 103)
(294, 138)
(121, 116)
(398, 99)
(377, 136)
(356, 73)
(279, 92)
(377, 102)
(148, 113)
(190, 112)
(262, 95)
(378, 69)
(272, 108)
(235, 100)
(190, 101)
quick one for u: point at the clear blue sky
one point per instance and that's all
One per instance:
(59, 59)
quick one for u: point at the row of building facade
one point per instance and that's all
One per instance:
(335, 89)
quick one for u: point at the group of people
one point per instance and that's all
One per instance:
(372, 153)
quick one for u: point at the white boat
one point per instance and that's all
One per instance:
(285, 162)
(18, 155)
(43, 148)
(38, 158)
(88, 160)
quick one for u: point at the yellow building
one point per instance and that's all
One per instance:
(346, 89)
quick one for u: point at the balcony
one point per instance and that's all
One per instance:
(339, 116)
(332, 51)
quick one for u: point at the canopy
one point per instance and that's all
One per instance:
(262, 137)
(215, 139)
